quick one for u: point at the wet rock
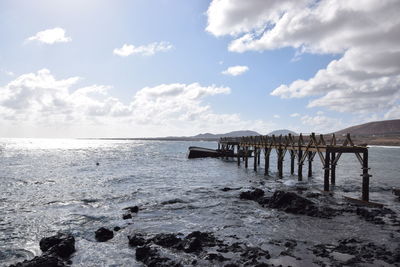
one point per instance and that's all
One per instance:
(56, 249)
(215, 257)
(117, 228)
(152, 258)
(41, 261)
(167, 240)
(252, 195)
(126, 216)
(313, 195)
(375, 215)
(133, 209)
(293, 203)
(362, 252)
(254, 253)
(136, 240)
(193, 245)
(103, 234)
(207, 239)
(62, 245)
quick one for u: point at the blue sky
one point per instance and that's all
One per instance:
(182, 67)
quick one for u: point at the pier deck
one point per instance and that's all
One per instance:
(301, 148)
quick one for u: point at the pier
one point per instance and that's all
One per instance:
(301, 148)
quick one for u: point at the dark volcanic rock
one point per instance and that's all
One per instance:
(167, 240)
(41, 261)
(133, 209)
(103, 234)
(252, 195)
(126, 216)
(136, 240)
(55, 249)
(152, 258)
(193, 245)
(375, 215)
(296, 204)
(62, 245)
(362, 252)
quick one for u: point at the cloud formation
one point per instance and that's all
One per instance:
(235, 70)
(51, 36)
(41, 99)
(145, 50)
(366, 77)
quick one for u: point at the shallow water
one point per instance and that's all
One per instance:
(48, 185)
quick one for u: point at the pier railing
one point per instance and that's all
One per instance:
(301, 148)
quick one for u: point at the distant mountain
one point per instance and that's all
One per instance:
(282, 132)
(389, 127)
(230, 134)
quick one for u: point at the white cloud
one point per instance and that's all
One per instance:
(366, 76)
(51, 36)
(322, 124)
(235, 70)
(276, 116)
(146, 50)
(293, 115)
(42, 101)
(6, 72)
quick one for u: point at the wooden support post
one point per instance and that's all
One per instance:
(255, 158)
(300, 166)
(259, 156)
(266, 158)
(246, 157)
(238, 155)
(333, 168)
(365, 175)
(326, 171)
(292, 162)
(280, 163)
(309, 155)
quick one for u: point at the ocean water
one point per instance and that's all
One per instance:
(51, 185)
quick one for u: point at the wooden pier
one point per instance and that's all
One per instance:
(301, 148)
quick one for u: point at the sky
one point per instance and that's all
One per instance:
(152, 68)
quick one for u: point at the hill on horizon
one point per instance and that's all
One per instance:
(230, 134)
(388, 127)
(283, 132)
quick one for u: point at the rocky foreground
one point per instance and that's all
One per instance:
(206, 249)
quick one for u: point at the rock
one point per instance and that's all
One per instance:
(167, 240)
(293, 203)
(62, 245)
(150, 257)
(133, 209)
(126, 216)
(205, 238)
(193, 245)
(215, 257)
(103, 234)
(117, 228)
(41, 261)
(144, 252)
(56, 249)
(136, 240)
(374, 215)
(252, 195)
(254, 253)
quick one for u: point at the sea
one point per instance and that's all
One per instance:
(78, 186)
